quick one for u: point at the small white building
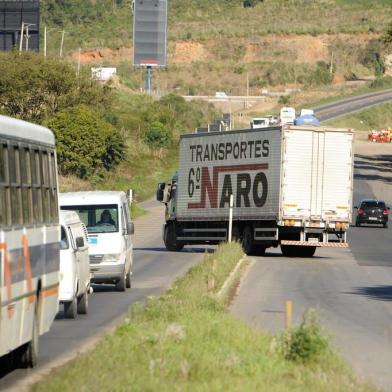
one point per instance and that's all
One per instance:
(103, 74)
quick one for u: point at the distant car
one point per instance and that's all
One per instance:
(372, 212)
(220, 94)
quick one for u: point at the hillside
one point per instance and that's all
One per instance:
(216, 45)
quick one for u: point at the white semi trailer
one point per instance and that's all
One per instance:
(291, 185)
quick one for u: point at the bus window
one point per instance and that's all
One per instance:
(3, 207)
(36, 181)
(2, 164)
(53, 189)
(45, 187)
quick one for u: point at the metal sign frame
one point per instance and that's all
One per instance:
(12, 14)
(155, 58)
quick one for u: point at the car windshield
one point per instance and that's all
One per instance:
(373, 204)
(97, 218)
(259, 122)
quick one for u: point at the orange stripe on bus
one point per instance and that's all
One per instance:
(8, 278)
(50, 292)
(28, 274)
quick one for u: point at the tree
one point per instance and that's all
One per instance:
(34, 88)
(86, 143)
(157, 136)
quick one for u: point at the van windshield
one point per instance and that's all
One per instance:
(97, 218)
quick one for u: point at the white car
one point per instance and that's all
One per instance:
(107, 218)
(74, 265)
(220, 94)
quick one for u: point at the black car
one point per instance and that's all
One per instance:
(372, 212)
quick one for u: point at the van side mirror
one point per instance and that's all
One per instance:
(79, 242)
(161, 191)
(130, 228)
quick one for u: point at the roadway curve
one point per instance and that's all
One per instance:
(155, 269)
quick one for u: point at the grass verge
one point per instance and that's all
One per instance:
(185, 340)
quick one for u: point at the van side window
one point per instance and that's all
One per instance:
(64, 240)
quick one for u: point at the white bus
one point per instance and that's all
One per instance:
(29, 238)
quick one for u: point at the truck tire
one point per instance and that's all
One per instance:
(307, 251)
(28, 353)
(71, 309)
(170, 239)
(259, 250)
(288, 250)
(83, 303)
(247, 240)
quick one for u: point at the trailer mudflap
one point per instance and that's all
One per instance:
(317, 244)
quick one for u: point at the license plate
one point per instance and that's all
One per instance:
(371, 218)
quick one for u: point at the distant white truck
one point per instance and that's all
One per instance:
(287, 116)
(291, 185)
(259, 122)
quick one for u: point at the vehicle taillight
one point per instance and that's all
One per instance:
(360, 211)
(386, 212)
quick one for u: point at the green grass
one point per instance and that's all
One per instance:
(186, 341)
(375, 117)
(104, 25)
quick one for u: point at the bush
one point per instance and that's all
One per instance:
(306, 342)
(86, 143)
(157, 136)
(34, 88)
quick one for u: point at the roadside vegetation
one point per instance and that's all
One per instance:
(186, 340)
(106, 138)
(376, 117)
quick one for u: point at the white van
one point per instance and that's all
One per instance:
(74, 265)
(259, 122)
(287, 116)
(107, 218)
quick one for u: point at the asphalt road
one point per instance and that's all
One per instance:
(155, 269)
(350, 289)
(349, 105)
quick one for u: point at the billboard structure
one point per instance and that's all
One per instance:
(14, 14)
(149, 35)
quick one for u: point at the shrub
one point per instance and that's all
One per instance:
(284, 99)
(86, 143)
(305, 343)
(157, 136)
(34, 88)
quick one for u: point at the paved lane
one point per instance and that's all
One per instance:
(154, 271)
(351, 290)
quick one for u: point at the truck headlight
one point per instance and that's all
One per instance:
(111, 258)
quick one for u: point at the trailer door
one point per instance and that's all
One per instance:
(338, 176)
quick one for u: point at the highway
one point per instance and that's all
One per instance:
(354, 295)
(350, 289)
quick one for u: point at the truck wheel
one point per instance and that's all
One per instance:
(170, 238)
(28, 354)
(128, 280)
(121, 284)
(288, 250)
(236, 234)
(259, 250)
(71, 309)
(247, 240)
(83, 303)
(307, 251)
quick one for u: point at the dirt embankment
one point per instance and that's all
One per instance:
(300, 48)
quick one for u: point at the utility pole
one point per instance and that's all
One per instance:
(247, 91)
(331, 67)
(45, 40)
(62, 42)
(21, 37)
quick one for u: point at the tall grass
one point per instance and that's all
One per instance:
(186, 341)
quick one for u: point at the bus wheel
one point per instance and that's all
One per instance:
(29, 352)
(247, 240)
(170, 237)
(71, 309)
(83, 303)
